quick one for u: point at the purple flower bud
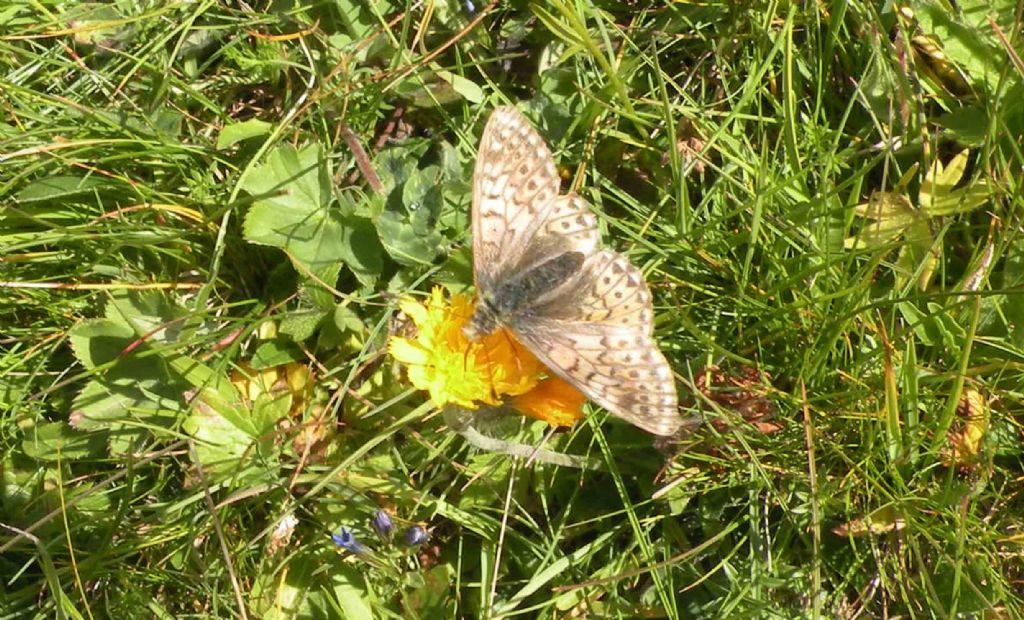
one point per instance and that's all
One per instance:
(382, 524)
(416, 535)
(347, 541)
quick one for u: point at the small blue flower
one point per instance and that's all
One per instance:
(416, 535)
(382, 524)
(347, 541)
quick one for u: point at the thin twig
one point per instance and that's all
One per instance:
(362, 159)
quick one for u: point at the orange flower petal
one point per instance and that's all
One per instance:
(553, 401)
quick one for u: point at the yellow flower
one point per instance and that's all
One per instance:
(442, 361)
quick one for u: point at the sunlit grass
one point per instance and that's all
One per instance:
(208, 216)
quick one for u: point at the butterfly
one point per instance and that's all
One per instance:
(541, 273)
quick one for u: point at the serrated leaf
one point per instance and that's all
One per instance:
(58, 441)
(456, 273)
(94, 22)
(294, 214)
(149, 313)
(237, 132)
(396, 164)
(404, 244)
(347, 321)
(225, 432)
(881, 521)
(269, 408)
(362, 251)
(97, 342)
(408, 228)
(102, 405)
(317, 287)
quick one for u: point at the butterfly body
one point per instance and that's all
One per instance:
(540, 272)
(517, 298)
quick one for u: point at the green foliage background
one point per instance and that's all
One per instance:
(208, 211)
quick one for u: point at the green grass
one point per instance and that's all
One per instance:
(191, 193)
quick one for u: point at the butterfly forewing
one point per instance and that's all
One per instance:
(594, 327)
(515, 184)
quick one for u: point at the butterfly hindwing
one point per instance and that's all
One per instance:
(596, 333)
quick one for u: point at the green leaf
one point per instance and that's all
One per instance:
(965, 35)
(275, 353)
(300, 325)
(350, 596)
(150, 314)
(408, 228)
(347, 321)
(361, 249)
(294, 214)
(404, 243)
(940, 180)
(225, 432)
(103, 405)
(58, 441)
(433, 596)
(937, 196)
(469, 89)
(96, 23)
(132, 390)
(236, 132)
(97, 342)
(397, 164)
(457, 272)
(921, 248)
(925, 328)
(889, 213)
(269, 408)
(557, 26)
(318, 287)
(314, 586)
(59, 187)
(968, 126)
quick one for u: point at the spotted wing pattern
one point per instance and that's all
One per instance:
(596, 334)
(594, 329)
(515, 186)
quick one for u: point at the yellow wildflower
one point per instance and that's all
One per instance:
(442, 361)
